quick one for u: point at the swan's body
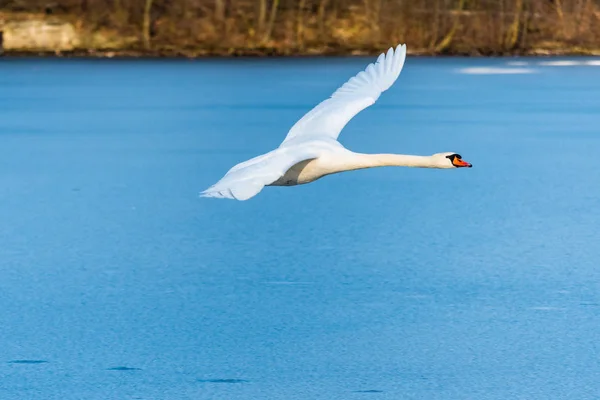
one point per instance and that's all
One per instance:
(311, 149)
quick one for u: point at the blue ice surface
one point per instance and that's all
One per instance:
(118, 282)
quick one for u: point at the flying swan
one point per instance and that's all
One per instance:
(311, 150)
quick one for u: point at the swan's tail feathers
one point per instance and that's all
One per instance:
(237, 191)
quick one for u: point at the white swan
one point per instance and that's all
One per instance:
(311, 150)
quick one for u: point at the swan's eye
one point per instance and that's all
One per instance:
(453, 156)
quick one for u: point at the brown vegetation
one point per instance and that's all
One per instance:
(197, 27)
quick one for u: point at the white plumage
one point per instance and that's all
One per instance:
(311, 150)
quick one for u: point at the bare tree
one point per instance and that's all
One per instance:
(284, 26)
(146, 23)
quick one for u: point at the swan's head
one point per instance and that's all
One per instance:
(450, 160)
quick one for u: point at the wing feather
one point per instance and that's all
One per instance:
(247, 179)
(330, 116)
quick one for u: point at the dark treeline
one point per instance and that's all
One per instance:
(333, 26)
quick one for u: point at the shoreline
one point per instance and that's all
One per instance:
(132, 54)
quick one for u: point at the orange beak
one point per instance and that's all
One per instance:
(460, 163)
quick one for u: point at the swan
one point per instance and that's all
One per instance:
(311, 150)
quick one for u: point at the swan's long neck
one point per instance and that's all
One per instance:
(360, 161)
(352, 161)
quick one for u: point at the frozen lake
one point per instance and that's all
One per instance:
(118, 282)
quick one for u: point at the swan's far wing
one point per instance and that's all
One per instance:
(247, 179)
(330, 116)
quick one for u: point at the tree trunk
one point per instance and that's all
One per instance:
(220, 15)
(146, 23)
(561, 17)
(445, 43)
(300, 24)
(321, 18)
(271, 22)
(513, 31)
(436, 24)
(262, 16)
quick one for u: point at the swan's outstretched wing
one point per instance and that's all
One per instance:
(246, 179)
(330, 116)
